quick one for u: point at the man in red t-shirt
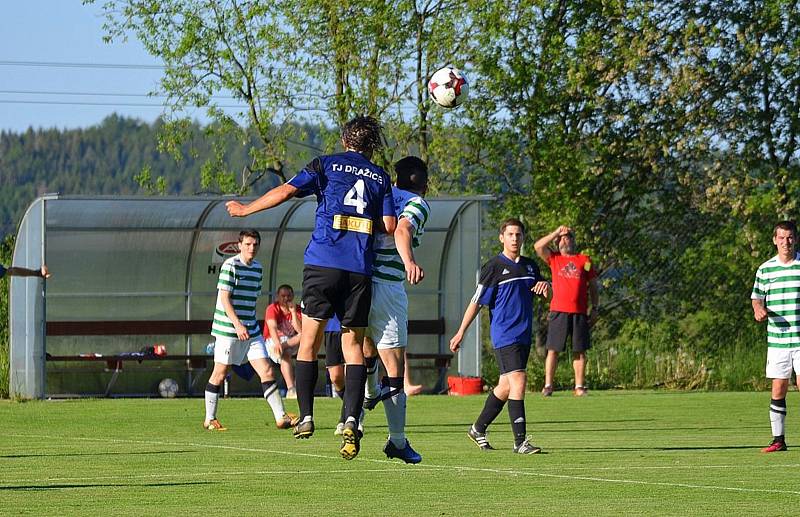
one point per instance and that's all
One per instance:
(282, 334)
(574, 282)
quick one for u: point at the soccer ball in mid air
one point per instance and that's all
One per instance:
(168, 388)
(448, 87)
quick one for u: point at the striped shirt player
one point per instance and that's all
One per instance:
(244, 284)
(388, 317)
(779, 286)
(388, 267)
(238, 334)
(776, 299)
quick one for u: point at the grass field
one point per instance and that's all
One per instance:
(612, 453)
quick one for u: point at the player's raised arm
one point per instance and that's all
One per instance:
(271, 199)
(542, 246)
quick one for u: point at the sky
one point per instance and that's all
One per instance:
(52, 55)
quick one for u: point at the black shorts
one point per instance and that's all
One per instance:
(512, 358)
(561, 324)
(328, 291)
(333, 349)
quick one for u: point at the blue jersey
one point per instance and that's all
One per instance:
(353, 194)
(505, 287)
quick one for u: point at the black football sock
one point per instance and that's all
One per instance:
(354, 377)
(305, 373)
(491, 409)
(516, 413)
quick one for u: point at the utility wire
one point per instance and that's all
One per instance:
(54, 64)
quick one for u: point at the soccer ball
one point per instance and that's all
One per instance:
(448, 87)
(168, 388)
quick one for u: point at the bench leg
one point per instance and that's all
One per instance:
(112, 380)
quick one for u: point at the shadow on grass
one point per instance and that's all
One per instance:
(76, 454)
(101, 485)
(699, 448)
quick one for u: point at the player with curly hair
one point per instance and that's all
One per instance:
(354, 202)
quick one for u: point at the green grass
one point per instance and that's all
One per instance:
(612, 453)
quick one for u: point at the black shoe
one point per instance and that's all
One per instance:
(479, 439)
(527, 447)
(304, 429)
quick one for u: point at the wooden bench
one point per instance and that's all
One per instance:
(114, 363)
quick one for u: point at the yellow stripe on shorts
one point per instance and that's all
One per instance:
(352, 224)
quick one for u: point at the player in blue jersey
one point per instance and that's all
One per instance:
(354, 202)
(507, 285)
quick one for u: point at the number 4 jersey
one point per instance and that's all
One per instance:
(353, 194)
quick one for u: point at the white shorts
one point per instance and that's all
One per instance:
(274, 356)
(781, 361)
(234, 351)
(388, 315)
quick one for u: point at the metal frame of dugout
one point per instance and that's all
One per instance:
(124, 267)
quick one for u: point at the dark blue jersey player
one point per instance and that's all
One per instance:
(354, 201)
(507, 285)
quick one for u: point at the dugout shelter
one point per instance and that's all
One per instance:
(133, 272)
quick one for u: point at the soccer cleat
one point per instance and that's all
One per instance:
(580, 391)
(304, 429)
(406, 454)
(339, 429)
(527, 447)
(775, 446)
(214, 425)
(288, 420)
(479, 439)
(351, 442)
(547, 391)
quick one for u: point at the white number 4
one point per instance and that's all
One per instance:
(355, 197)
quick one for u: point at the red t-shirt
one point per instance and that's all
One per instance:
(571, 276)
(283, 320)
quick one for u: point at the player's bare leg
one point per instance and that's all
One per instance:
(410, 388)
(550, 364)
(579, 365)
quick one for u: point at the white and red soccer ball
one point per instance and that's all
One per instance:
(448, 87)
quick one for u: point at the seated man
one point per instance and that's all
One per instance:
(282, 334)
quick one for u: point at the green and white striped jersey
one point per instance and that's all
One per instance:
(779, 285)
(387, 265)
(244, 284)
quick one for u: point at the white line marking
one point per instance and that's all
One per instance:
(429, 467)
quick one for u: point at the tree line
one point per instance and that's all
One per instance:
(665, 132)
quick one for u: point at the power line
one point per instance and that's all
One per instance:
(97, 94)
(121, 104)
(54, 64)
